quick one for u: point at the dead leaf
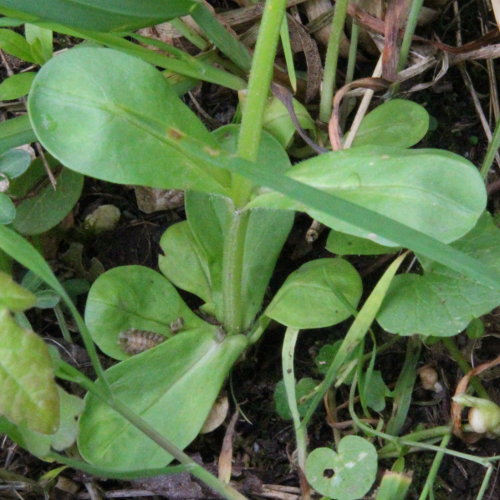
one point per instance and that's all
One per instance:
(151, 200)
(217, 415)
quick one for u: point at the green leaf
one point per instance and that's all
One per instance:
(29, 393)
(16, 132)
(356, 333)
(345, 475)
(266, 234)
(375, 391)
(325, 356)
(354, 214)
(347, 244)
(13, 296)
(23, 252)
(183, 262)
(175, 60)
(7, 209)
(432, 191)
(16, 86)
(41, 444)
(16, 45)
(14, 162)
(10, 22)
(315, 295)
(277, 120)
(105, 15)
(133, 297)
(209, 218)
(37, 214)
(304, 387)
(394, 123)
(442, 302)
(117, 123)
(394, 486)
(40, 41)
(172, 387)
(71, 408)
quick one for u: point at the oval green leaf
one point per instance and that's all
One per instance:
(7, 209)
(14, 162)
(345, 475)
(172, 386)
(394, 123)
(37, 214)
(133, 297)
(303, 390)
(183, 262)
(433, 191)
(104, 15)
(320, 293)
(29, 394)
(119, 122)
(442, 302)
(16, 86)
(40, 444)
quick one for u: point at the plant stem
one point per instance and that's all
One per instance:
(431, 477)
(404, 387)
(61, 321)
(455, 353)
(112, 474)
(287, 357)
(258, 91)
(392, 448)
(492, 150)
(331, 60)
(485, 483)
(232, 272)
(416, 6)
(248, 147)
(197, 470)
(484, 461)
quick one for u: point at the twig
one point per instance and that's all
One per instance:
(50, 175)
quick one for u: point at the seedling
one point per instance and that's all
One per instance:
(109, 113)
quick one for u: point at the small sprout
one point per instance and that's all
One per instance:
(134, 341)
(429, 379)
(484, 416)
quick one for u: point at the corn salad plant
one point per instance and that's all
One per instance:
(110, 108)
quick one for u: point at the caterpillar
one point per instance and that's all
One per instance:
(135, 341)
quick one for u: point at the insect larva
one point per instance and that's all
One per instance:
(134, 341)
